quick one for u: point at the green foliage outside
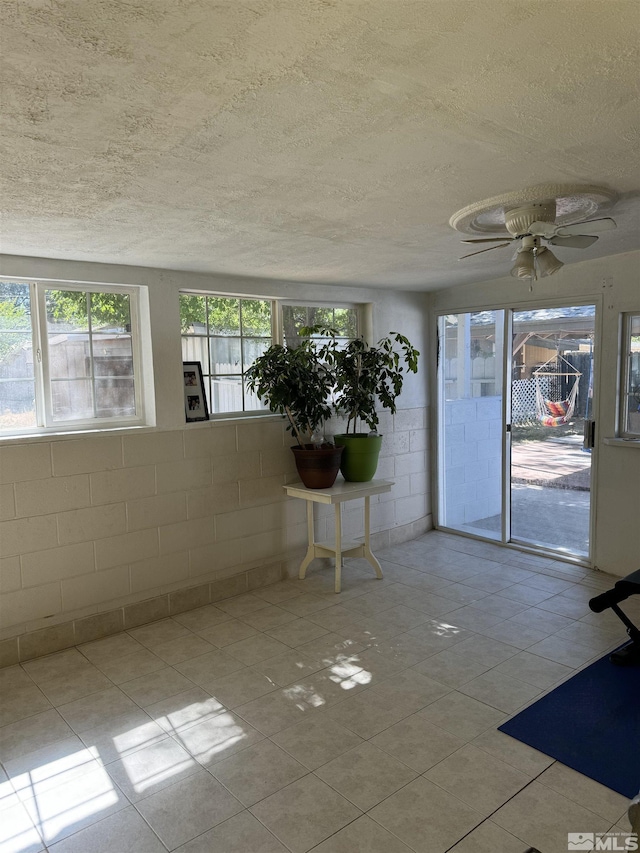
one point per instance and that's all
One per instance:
(66, 309)
(295, 318)
(226, 316)
(15, 327)
(72, 309)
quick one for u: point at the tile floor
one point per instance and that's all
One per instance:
(292, 719)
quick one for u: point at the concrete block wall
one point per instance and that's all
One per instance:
(472, 458)
(96, 523)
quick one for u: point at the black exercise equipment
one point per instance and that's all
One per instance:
(629, 654)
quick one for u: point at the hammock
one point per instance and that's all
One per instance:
(553, 413)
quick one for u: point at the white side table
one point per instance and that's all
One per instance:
(340, 492)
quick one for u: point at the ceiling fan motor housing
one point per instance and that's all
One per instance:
(519, 220)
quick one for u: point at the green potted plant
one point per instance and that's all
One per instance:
(367, 377)
(295, 382)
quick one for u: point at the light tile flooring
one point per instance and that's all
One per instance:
(294, 719)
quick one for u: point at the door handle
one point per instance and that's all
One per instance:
(589, 435)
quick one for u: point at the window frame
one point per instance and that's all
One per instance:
(45, 422)
(625, 391)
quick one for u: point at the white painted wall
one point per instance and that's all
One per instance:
(95, 521)
(614, 285)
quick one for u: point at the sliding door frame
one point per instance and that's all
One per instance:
(437, 424)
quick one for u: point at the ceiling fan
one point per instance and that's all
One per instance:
(529, 227)
(534, 219)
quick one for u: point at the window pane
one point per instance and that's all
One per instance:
(110, 312)
(294, 317)
(17, 404)
(226, 394)
(16, 354)
(224, 316)
(320, 317)
(115, 398)
(71, 399)
(251, 402)
(193, 314)
(251, 349)
(225, 355)
(69, 356)
(256, 317)
(66, 310)
(17, 389)
(196, 349)
(116, 365)
(345, 321)
(632, 410)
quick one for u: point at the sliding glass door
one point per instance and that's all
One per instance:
(511, 461)
(551, 396)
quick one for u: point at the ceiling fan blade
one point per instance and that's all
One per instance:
(486, 240)
(484, 250)
(592, 226)
(577, 241)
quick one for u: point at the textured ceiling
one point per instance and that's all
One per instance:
(309, 140)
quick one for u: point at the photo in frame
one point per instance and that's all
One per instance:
(195, 400)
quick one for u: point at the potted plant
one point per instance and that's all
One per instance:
(295, 382)
(367, 377)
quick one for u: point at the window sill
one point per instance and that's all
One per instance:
(622, 442)
(56, 435)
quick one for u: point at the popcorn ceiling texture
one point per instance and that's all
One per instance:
(316, 141)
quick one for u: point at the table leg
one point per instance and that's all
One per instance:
(338, 547)
(368, 554)
(308, 557)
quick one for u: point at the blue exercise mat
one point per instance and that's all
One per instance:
(590, 723)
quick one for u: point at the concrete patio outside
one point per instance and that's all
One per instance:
(549, 495)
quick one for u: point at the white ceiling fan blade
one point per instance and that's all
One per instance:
(577, 241)
(486, 240)
(484, 250)
(592, 226)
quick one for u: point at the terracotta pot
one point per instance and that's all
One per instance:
(317, 466)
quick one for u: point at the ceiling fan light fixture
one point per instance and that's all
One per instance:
(547, 263)
(524, 266)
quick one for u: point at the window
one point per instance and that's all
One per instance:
(294, 317)
(226, 335)
(630, 384)
(69, 356)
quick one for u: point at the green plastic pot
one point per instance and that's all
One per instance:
(360, 456)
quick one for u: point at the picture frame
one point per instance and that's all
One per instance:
(195, 399)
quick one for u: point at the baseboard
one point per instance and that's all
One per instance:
(65, 635)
